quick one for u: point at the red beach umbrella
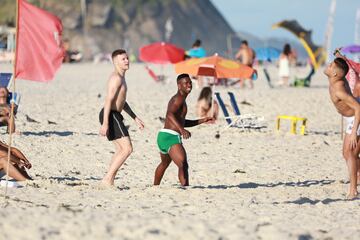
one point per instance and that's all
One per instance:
(161, 53)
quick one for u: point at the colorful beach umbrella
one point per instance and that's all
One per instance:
(161, 53)
(351, 49)
(215, 66)
(267, 53)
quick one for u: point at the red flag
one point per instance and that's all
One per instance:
(39, 51)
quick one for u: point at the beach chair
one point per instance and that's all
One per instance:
(252, 121)
(156, 78)
(304, 82)
(243, 121)
(267, 76)
(5, 81)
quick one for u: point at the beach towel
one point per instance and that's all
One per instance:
(353, 74)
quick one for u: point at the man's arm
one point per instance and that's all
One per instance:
(192, 123)
(238, 54)
(128, 110)
(113, 85)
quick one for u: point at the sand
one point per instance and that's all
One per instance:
(244, 185)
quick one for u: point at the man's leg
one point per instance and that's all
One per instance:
(351, 158)
(160, 170)
(251, 83)
(358, 170)
(178, 155)
(13, 172)
(125, 149)
(242, 83)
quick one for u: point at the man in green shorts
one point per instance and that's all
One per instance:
(169, 138)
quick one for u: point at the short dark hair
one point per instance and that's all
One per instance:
(117, 52)
(181, 76)
(244, 42)
(197, 43)
(341, 63)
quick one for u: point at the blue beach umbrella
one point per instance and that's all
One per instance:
(267, 53)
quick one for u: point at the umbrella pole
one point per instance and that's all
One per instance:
(342, 128)
(213, 98)
(10, 126)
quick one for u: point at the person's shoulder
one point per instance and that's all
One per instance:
(114, 79)
(177, 99)
(201, 102)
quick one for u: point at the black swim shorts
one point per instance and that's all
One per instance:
(117, 128)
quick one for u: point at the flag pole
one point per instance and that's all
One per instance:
(10, 127)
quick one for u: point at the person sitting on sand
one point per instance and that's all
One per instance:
(169, 138)
(18, 163)
(349, 107)
(204, 106)
(5, 110)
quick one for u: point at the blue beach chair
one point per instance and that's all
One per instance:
(5, 81)
(244, 121)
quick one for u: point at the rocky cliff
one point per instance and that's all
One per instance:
(109, 24)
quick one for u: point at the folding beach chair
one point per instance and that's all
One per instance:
(5, 81)
(267, 76)
(157, 78)
(244, 121)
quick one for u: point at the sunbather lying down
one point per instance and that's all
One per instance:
(18, 163)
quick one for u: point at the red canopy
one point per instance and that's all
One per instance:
(161, 53)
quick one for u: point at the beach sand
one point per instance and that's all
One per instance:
(244, 185)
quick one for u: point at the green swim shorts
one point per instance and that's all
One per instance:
(166, 139)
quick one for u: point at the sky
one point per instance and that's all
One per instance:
(257, 16)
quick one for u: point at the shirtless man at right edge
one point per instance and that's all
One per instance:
(349, 107)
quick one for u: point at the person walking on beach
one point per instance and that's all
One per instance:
(110, 117)
(286, 57)
(246, 56)
(169, 138)
(348, 106)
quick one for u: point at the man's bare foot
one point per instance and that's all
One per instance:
(352, 195)
(107, 182)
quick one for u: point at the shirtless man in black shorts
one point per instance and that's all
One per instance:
(110, 116)
(169, 138)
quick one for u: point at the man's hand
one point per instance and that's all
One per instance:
(353, 140)
(185, 133)
(139, 123)
(103, 130)
(5, 111)
(208, 120)
(25, 163)
(337, 52)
